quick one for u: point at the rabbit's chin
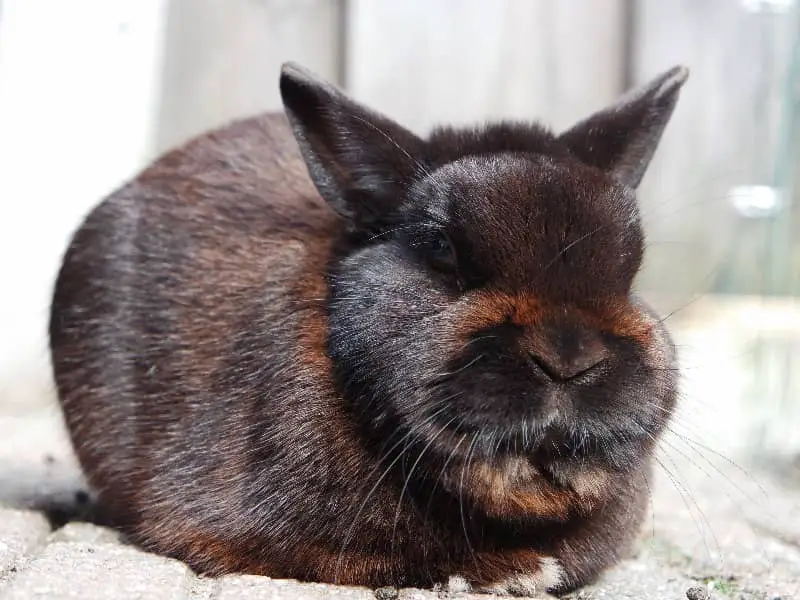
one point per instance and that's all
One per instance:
(515, 487)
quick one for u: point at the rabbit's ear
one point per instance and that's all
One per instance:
(360, 161)
(622, 138)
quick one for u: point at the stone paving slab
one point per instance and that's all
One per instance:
(636, 580)
(88, 571)
(21, 534)
(261, 588)
(85, 532)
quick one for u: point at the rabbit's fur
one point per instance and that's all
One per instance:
(423, 360)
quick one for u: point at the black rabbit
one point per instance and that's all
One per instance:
(422, 362)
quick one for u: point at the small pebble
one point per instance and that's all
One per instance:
(697, 593)
(386, 593)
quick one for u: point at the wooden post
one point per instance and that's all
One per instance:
(429, 61)
(222, 59)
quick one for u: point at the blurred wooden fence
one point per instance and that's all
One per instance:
(424, 61)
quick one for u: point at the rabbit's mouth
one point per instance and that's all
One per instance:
(553, 429)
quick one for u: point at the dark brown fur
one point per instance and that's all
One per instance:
(254, 382)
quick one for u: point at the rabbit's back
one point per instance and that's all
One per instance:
(176, 316)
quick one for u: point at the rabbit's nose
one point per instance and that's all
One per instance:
(569, 355)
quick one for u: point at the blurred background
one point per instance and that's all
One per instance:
(91, 90)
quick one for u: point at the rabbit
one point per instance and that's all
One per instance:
(314, 345)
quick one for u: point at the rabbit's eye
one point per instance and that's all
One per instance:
(441, 254)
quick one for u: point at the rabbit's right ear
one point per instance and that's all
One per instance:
(360, 161)
(622, 138)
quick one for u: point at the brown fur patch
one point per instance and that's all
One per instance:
(311, 294)
(623, 319)
(484, 309)
(515, 489)
(209, 555)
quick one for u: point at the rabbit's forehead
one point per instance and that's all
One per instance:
(487, 169)
(522, 189)
(529, 200)
(517, 213)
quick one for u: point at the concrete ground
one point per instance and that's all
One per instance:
(714, 527)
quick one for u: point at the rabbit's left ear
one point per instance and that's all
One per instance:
(622, 138)
(360, 161)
